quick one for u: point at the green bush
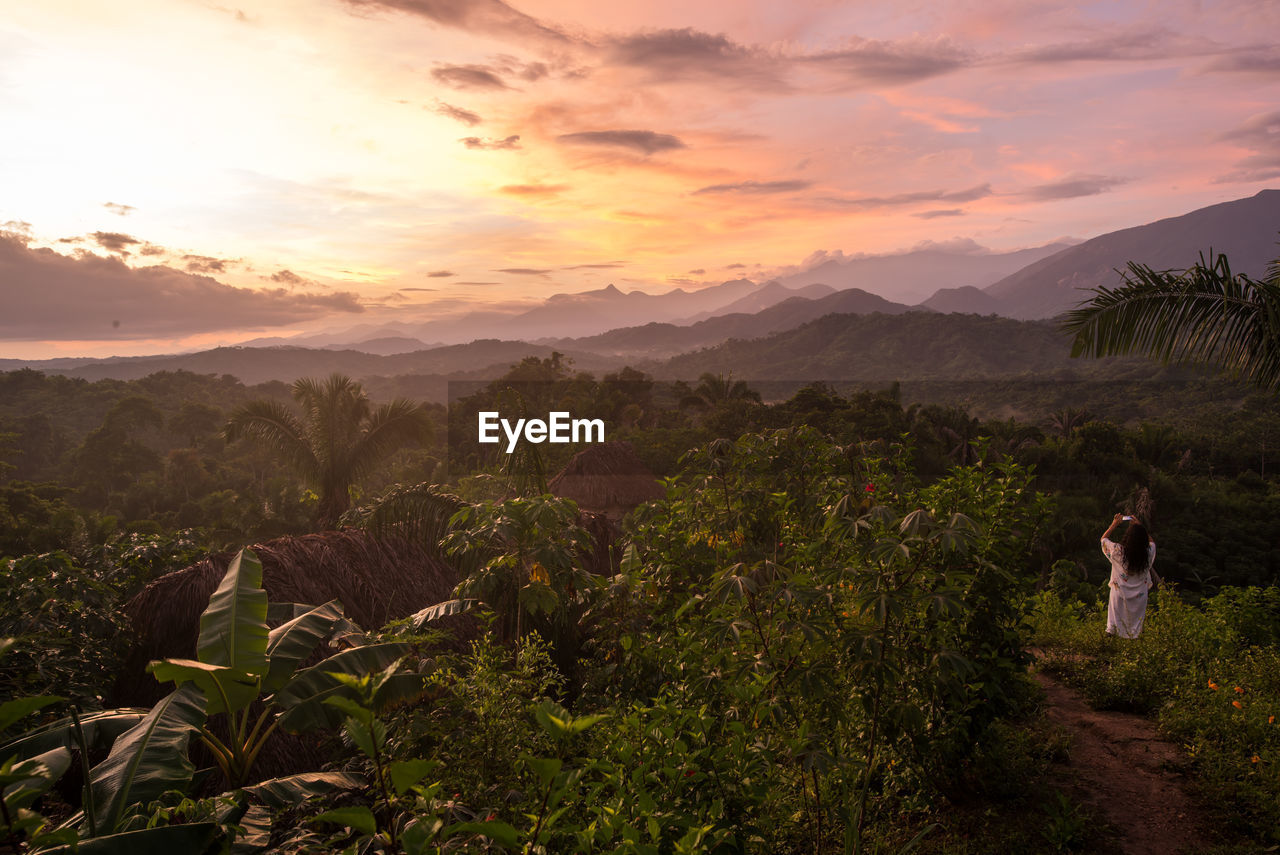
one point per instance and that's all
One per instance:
(1210, 675)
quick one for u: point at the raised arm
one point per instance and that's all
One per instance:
(1114, 522)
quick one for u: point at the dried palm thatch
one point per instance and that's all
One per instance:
(607, 478)
(376, 580)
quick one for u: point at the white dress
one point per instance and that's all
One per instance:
(1128, 603)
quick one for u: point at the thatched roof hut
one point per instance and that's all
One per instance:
(608, 479)
(376, 579)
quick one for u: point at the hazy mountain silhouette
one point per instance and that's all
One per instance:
(661, 340)
(252, 365)
(877, 347)
(769, 294)
(966, 300)
(384, 346)
(1246, 230)
(910, 277)
(590, 313)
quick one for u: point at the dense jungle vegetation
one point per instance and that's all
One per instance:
(815, 642)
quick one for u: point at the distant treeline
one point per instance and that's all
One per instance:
(80, 461)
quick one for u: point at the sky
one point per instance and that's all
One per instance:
(177, 174)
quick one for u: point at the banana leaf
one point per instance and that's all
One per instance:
(147, 760)
(302, 698)
(233, 629)
(100, 731)
(197, 838)
(22, 783)
(19, 708)
(225, 689)
(295, 789)
(290, 643)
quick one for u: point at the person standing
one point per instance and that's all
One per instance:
(1132, 576)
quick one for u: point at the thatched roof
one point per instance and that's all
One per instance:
(376, 580)
(606, 477)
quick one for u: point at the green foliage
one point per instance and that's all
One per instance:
(65, 610)
(1065, 827)
(1211, 675)
(240, 659)
(339, 439)
(787, 576)
(146, 761)
(524, 561)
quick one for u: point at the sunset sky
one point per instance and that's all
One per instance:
(176, 174)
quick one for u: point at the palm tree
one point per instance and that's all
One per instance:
(1202, 314)
(1068, 420)
(339, 439)
(715, 389)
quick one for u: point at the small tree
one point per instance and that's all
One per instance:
(339, 439)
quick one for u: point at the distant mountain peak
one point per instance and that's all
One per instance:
(1244, 229)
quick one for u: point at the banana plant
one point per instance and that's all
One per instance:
(243, 670)
(241, 661)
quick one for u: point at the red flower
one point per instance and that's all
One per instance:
(871, 488)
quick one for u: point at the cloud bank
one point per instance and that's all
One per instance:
(54, 297)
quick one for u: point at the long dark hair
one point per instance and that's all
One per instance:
(1135, 545)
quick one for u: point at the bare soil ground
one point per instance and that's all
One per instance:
(1128, 776)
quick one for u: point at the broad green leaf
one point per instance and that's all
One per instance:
(358, 818)
(100, 731)
(350, 707)
(19, 708)
(225, 689)
(440, 610)
(630, 563)
(538, 597)
(195, 838)
(24, 781)
(419, 833)
(367, 737)
(583, 722)
(294, 789)
(290, 643)
(495, 830)
(256, 825)
(303, 696)
(148, 759)
(555, 719)
(546, 768)
(406, 773)
(916, 522)
(233, 629)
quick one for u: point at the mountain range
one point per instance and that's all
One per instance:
(1246, 230)
(913, 277)
(794, 327)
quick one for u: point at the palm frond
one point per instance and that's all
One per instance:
(1203, 314)
(335, 410)
(386, 429)
(273, 425)
(419, 513)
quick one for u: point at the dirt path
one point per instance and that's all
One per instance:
(1129, 776)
